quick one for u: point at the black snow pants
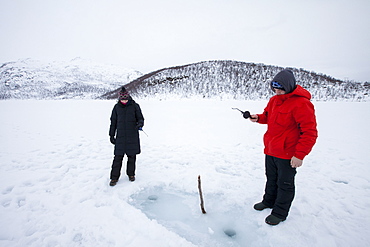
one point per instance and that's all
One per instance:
(280, 188)
(117, 165)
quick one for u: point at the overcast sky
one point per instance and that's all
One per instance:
(326, 36)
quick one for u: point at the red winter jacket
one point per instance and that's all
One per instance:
(291, 125)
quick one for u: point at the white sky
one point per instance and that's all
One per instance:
(326, 36)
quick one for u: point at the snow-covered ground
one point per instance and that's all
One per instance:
(55, 159)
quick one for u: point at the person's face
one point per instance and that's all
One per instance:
(124, 101)
(279, 91)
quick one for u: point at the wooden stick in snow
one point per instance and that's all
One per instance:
(201, 196)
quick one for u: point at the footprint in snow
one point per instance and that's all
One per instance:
(8, 190)
(340, 181)
(6, 202)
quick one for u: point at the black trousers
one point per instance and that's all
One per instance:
(280, 188)
(117, 165)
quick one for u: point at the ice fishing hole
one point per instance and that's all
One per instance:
(179, 212)
(230, 233)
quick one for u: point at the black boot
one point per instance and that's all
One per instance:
(260, 206)
(113, 182)
(273, 220)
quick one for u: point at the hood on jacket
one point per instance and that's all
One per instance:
(286, 79)
(300, 91)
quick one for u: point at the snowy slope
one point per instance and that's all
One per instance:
(78, 79)
(55, 164)
(237, 80)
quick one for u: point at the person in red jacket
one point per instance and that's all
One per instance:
(291, 134)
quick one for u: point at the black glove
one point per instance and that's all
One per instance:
(139, 127)
(113, 140)
(246, 114)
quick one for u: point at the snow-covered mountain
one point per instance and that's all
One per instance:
(77, 79)
(82, 79)
(237, 80)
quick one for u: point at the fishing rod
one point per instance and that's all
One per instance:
(141, 129)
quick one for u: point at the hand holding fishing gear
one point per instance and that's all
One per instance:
(246, 114)
(140, 128)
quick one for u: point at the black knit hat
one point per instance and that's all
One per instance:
(286, 79)
(123, 94)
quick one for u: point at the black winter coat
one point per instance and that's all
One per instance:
(125, 122)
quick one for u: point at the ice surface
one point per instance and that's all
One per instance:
(55, 159)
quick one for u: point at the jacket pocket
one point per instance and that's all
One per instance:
(284, 119)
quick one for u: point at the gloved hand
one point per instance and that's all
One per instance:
(139, 127)
(113, 140)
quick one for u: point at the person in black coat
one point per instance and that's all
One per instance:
(126, 121)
